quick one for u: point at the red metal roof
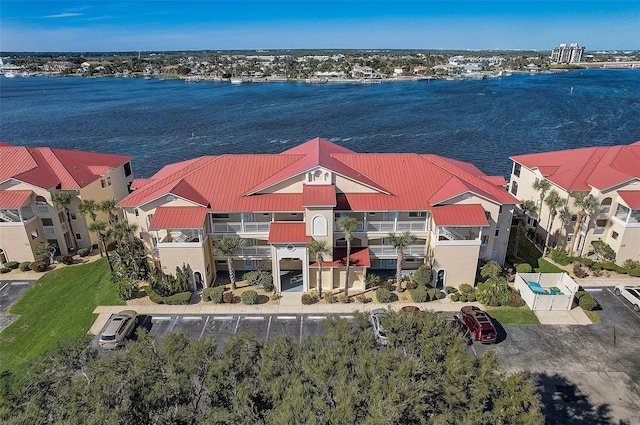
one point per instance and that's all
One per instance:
(178, 218)
(631, 198)
(319, 195)
(359, 257)
(14, 199)
(460, 215)
(288, 232)
(138, 183)
(580, 169)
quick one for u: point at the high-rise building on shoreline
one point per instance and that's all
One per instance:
(567, 54)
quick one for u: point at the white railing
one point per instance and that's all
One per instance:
(10, 216)
(598, 231)
(451, 234)
(604, 210)
(185, 236)
(43, 209)
(49, 230)
(250, 251)
(395, 226)
(359, 227)
(239, 227)
(390, 251)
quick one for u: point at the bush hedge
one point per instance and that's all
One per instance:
(465, 288)
(126, 289)
(524, 268)
(418, 295)
(66, 259)
(450, 289)
(330, 297)
(213, 294)
(383, 295)
(180, 298)
(83, 252)
(4, 270)
(612, 267)
(434, 294)
(249, 297)
(587, 302)
(228, 298)
(25, 266)
(308, 298)
(11, 265)
(455, 297)
(39, 266)
(343, 299)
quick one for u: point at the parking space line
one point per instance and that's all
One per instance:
(20, 283)
(346, 317)
(160, 318)
(222, 317)
(237, 324)
(301, 322)
(268, 328)
(286, 317)
(5, 285)
(593, 289)
(316, 317)
(254, 318)
(204, 327)
(192, 318)
(173, 324)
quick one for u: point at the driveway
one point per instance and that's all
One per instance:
(10, 291)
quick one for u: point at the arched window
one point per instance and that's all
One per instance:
(319, 226)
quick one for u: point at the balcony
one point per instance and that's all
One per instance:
(16, 216)
(180, 236)
(396, 226)
(388, 251)
(603, 212)
(599, 231)
(242, 227)
(359, 227)
(458, 235)
(49, 230)
(255, 251)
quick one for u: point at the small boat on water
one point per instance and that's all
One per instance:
(316, 80)
(236, 80)
(10, 74)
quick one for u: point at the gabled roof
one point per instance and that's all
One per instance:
(460, 215)
(178, 218)
(14, 199)
(47, 167)
(631, 198)
(288, 232)
(581, 169)
(389, 182)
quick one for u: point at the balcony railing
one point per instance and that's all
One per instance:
(396, 226)
(388, 251)
(43, 209)
(251, 251)
(598, 231)
(240, 227)
(604, 211)
(49, 230)
(359, 227)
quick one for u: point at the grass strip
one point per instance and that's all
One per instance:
(593, 316)
(545, 266)
(513, 315)
(58, 307)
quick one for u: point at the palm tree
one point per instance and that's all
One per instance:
(61, 200)
(347, 225)
(99, 227)
(227, 247)
(319, 249)
(109, 206)
(89, 207)
(554, 202)
(526, 206)
(587, 204)
(400, 243)
(124, 232)
(543, 187)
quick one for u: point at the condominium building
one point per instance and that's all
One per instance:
(30, 177)
(611, 174)
(567, 54)
(278, 203)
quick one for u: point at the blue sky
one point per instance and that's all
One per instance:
(100, 25)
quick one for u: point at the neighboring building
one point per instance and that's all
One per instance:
(567, 54)
(279, 202)
(29, 177)
(611, 174)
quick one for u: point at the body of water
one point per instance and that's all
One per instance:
(481, 121)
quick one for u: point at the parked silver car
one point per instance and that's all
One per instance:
(118, 327)
(375, 319)
(631, 293)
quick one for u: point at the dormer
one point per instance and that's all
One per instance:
(319, 175)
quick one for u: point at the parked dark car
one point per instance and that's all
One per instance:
(479, 324)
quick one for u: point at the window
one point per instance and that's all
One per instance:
(34, 234)
(614, 234)
(497, 232)
(136, 212)
(61, 217)
(485, 239)
(78, 236)
(500, 210)
(574, 217)
(488, 215)
(569, 237)
(372, 213)
(514, 188)
(266, 214)
(47, 222)
(319, 226)
(516, 169)
(73, 216)
(417, 214)
(219, 215)
(127, 169)
(294, 214)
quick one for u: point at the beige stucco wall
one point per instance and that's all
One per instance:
(16, 241)
(356, 278)
(459, 262)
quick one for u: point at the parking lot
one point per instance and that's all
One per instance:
(10, 291)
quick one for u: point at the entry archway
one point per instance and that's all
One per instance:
(441, 278)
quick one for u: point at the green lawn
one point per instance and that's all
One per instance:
(59, 307)
(545, 266)
(526, 250)
(513, 315)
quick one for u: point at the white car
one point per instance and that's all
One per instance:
(631, 293)
(378, 331)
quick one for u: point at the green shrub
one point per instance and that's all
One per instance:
(330, 297)
(371, 280)
(418, 295)
(587, 262)
(628, 264)
(11, 265)
(580, 294)
(83, 252)
(25, 266)
(455, 297)
(308, 298)
(66, 259)
(463, 298)
(603, 250)
(112, 246)
(588, 303)
(387, 284)
(515, 300)
(410, 285)
(383, 295)
(229, 298)
(634, 272)
(423, 275)
(126, 289)
(261, 278)
(4, 270)
(524, 268)
(559, 255)
(579, 272)
(465, 288)
(213, 294)
(39, 266)
(249, 297)
(612, 267)
(343, 299)
(471, 297)
(363, 299)
(491, 269)
(274, 296)
(180, 298)
(434, 294)
(450, 289)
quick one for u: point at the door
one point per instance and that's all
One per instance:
(440, 279)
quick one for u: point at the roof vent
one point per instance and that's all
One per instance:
(171, 198)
